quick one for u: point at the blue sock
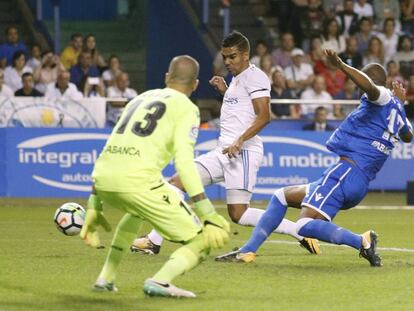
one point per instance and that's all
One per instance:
(271, 219)
(331, 233)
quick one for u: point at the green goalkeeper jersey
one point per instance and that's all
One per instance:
(156, 127)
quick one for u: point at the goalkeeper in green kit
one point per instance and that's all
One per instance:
(156, 127)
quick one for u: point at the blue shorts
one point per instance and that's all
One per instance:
(341, 186)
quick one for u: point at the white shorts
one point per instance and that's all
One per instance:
(237, 173)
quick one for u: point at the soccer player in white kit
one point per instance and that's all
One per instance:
(238, 155)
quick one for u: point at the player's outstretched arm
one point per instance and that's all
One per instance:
(359, 78)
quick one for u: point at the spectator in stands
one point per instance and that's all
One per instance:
(70, 54)
(90, 45)
(311, 22)
(119, 90)
(261, 49)
(94, 87)
(267, 66)
(334, 79)
(407, 16)
(35, 57)
(5, 91)
(300, 75)
(349, 92)
(347, 19)
(315, 93)
(389, 38)
(374, 53)
(48, 71)
(393, 74)
(330, 7)
(83, 70)
(405, 56)
(63, 89)
(114, 70)
(364, 34)
(351, 56)
(13, 74)
(316, 56)
(280, 91)
(12, 45)
(409, 109)
(28, 87)
(282, 56)
(384, 9)
(319, 123)
(331, 36)
(364, 9)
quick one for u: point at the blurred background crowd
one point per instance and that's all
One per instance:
(290, 52)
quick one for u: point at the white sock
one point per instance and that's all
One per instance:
(155, 238)
(252, 216)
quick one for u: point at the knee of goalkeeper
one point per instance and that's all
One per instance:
(215, 227)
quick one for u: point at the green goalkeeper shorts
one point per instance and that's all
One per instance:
(161, 207)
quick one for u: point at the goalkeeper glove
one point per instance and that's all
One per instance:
(216, 227)
(94, 218)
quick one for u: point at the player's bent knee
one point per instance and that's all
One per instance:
(301, 223)
(280, 195)
(236, 211)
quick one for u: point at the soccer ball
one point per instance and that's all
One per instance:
(69, 218)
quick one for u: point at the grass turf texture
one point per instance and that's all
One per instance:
(41, 269)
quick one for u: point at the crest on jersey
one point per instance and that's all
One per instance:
(193, 132)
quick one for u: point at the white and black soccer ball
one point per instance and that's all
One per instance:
(69, 218)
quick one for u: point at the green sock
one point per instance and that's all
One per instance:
(182, 260)
(125, 233)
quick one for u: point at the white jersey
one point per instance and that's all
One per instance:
(237, 112)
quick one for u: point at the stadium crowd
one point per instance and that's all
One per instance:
(78, 72)
(361, 31)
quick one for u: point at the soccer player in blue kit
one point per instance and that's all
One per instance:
(363, 142)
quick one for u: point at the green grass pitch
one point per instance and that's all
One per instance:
(41, 269)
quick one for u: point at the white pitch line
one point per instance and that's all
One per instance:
(391, 249)
(386, 207)
(367, 207)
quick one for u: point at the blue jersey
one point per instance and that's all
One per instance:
(370, 132)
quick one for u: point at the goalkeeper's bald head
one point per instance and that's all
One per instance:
(182, 74)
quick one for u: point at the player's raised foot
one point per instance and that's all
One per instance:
(101, 285)
(370, 253)
(311, 245)
(144, 245)
(157, 289)
(236, 256)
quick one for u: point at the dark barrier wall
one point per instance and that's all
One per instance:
(42, 162)
(170, 33)
(79, 9)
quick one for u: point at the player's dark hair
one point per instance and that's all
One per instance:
(376, 72)
(238, 40)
